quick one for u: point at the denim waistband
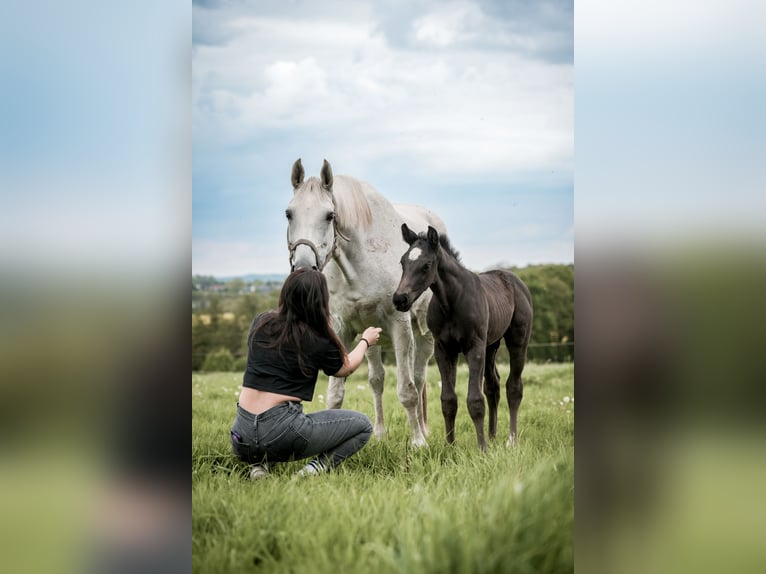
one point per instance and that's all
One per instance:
(268, 413)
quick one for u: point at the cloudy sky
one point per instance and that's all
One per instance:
(465, 107)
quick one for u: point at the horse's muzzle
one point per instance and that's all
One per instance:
(303, 258)
(294, 267)
(402, 301)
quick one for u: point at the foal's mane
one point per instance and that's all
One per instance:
(351, 206)
(446, 245)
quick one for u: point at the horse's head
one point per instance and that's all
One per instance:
(419, 266)
(311, 230)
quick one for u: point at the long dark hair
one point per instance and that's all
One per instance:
(304, 306)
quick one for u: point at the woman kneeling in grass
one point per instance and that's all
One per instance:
(286, 349)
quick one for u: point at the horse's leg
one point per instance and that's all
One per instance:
(447, 364)
(336, 389)
(424, 348)
(377, 375)
(408, 393)
(476, 406)
(492, 386)
(514, 387)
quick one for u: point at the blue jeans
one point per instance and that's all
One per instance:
(284, 433)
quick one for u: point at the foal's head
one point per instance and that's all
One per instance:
(419, 266)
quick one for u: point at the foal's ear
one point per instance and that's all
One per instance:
(297, 176)
(326, 176)
(408, 235)
(433, 237)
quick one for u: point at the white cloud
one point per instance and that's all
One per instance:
(448, 24)
(464, 111)
(436, 92)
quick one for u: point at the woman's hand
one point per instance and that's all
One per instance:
(371, 335)
(354, 358)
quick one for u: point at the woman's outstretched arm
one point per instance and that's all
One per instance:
(352, 361)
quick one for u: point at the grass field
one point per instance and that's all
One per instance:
(392, 508)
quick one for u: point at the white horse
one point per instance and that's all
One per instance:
(346, 229)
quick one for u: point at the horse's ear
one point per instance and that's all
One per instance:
(433, 237)
(297, 176)
(408, 235)
(326, 176)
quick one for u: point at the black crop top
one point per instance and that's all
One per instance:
(277, 370)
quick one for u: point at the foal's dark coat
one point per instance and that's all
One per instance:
(468, 313)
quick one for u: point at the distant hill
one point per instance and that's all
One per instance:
(265, 277)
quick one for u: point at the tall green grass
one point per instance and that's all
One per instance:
(392, 508)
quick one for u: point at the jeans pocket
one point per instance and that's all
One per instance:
(240, 448)
(286, 442)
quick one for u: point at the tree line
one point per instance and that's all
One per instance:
(222, 313)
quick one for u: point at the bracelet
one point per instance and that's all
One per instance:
(366, 341)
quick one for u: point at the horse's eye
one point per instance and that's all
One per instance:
(330, 216)
(426, 267)
(289, 215)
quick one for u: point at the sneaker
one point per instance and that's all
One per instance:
(311, 469)
(259, 471)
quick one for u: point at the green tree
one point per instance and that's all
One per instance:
(552, 289)
(231, 336)
(248, 306)
(214, 311)
(235, 286)
(201, 342)
(239, 364)
(218, 361)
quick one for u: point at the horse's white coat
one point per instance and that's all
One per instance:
(362, 277)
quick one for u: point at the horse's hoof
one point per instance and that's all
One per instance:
(379, 433)
(511, 442)
(420, 443)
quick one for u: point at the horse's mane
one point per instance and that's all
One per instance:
(352, 210)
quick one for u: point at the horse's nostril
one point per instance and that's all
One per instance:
(314, 267)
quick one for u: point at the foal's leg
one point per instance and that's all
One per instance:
(377, 375)
(514, 387)
(492, 386)
(447, 363)
(476, 407)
